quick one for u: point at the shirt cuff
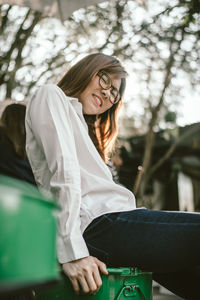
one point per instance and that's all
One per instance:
(69, 249)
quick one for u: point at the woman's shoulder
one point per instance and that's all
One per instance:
(51, 91)
(48, 96)
(49, 88)
(51, 94)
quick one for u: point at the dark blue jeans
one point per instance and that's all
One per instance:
(165, 243)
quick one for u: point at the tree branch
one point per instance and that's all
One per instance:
(4, 20)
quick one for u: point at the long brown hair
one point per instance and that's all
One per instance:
(103, 129)
(13, 122)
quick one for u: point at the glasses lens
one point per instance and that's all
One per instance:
(114, 96)
(105, 81)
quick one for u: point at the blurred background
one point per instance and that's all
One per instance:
(158, 155)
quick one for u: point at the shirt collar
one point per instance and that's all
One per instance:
(77, 105)
(79, 109)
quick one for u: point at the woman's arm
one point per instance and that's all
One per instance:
(51, 146)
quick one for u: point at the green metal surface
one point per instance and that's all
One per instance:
(120, 284)
(27, 234)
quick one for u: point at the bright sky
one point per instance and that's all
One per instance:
(188, 110)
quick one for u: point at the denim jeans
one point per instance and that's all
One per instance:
(165, 243)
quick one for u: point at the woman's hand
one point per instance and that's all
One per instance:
(84, 274)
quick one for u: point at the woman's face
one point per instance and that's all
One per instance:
(95, 99)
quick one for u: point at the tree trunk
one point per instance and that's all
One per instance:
(150, 137)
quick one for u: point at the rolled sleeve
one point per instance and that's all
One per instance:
(48, 119)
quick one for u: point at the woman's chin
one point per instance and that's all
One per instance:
(90, 111)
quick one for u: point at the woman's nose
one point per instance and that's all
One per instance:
(106, 93)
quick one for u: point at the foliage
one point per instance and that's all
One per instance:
(39, 49)
(160, 46)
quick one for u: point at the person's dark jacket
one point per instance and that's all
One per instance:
(10, 163)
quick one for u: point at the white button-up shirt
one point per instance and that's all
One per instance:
(66, 163)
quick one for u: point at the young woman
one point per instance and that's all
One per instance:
(71, 129)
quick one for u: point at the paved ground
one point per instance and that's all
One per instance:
(159, 295)
(166, 297)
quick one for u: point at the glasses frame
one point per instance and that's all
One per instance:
(117, 98)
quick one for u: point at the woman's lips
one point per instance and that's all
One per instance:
(98, 100)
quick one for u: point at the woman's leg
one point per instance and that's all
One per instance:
(157, 241)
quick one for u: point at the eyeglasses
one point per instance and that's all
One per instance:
(106, 83)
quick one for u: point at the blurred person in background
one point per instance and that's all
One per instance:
(13, 159)
(114, 163)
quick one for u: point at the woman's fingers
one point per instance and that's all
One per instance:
(75, 285)
(85, 282)
(84, 274)
(91, 272)
(88, 284)
(85, 289)
(101, 266)
(94, 279)
(97, 279)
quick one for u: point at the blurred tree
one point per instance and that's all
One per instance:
(171, 44)
(160, 46)
(42, 46)
(30, 50)
(15, 30)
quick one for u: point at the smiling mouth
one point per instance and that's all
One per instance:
(98, 100)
